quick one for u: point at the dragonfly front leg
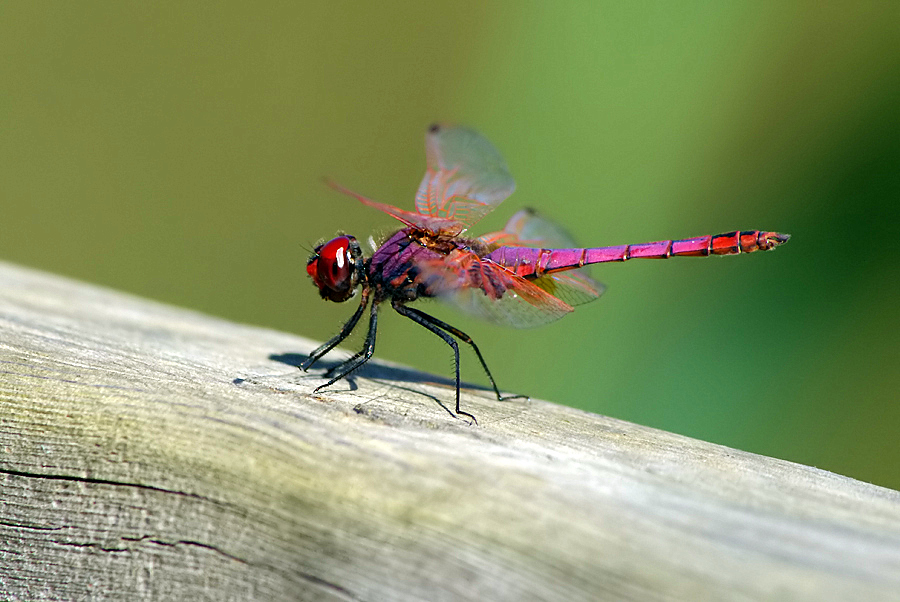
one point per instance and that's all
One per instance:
(336, 340)
(335, 369)
(428, 322)
(360, 358)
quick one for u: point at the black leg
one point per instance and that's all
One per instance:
(425, 320)
(335, 369)
(468, 340)
(360, 358)
(334, 341)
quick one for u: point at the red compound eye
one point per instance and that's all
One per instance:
(332, 264)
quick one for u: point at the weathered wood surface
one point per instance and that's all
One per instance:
(149, 452)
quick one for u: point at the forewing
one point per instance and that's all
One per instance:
(527, 228)
(409, 218)
(466, 177)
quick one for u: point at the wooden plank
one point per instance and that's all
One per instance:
(150, 452)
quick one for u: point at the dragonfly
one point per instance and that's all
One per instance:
(528, 274)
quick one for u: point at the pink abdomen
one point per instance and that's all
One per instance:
(530, 261)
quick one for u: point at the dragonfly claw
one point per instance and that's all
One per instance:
(461, 413)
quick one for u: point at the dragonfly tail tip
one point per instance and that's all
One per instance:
(774, 239)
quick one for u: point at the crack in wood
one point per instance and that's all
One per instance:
(310, 578)
(303, 575)
(110, 482)
(89, 544)
(187, 542)
(16, 525)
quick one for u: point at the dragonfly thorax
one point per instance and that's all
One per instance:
(336, 267)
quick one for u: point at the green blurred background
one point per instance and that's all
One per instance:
(176, 151)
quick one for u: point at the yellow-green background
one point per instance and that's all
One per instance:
(176, 150)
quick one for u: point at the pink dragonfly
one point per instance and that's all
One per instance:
(525, 275)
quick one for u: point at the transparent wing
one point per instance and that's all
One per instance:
(525, 306)
(465, 179)
(489, 291)
(409, 218)
(528, 229)
(574, 287)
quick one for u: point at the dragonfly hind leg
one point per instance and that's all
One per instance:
(427, 321)
(439, 327)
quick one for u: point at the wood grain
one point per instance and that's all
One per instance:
(154, 453)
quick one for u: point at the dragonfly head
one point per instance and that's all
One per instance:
(336, 267)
